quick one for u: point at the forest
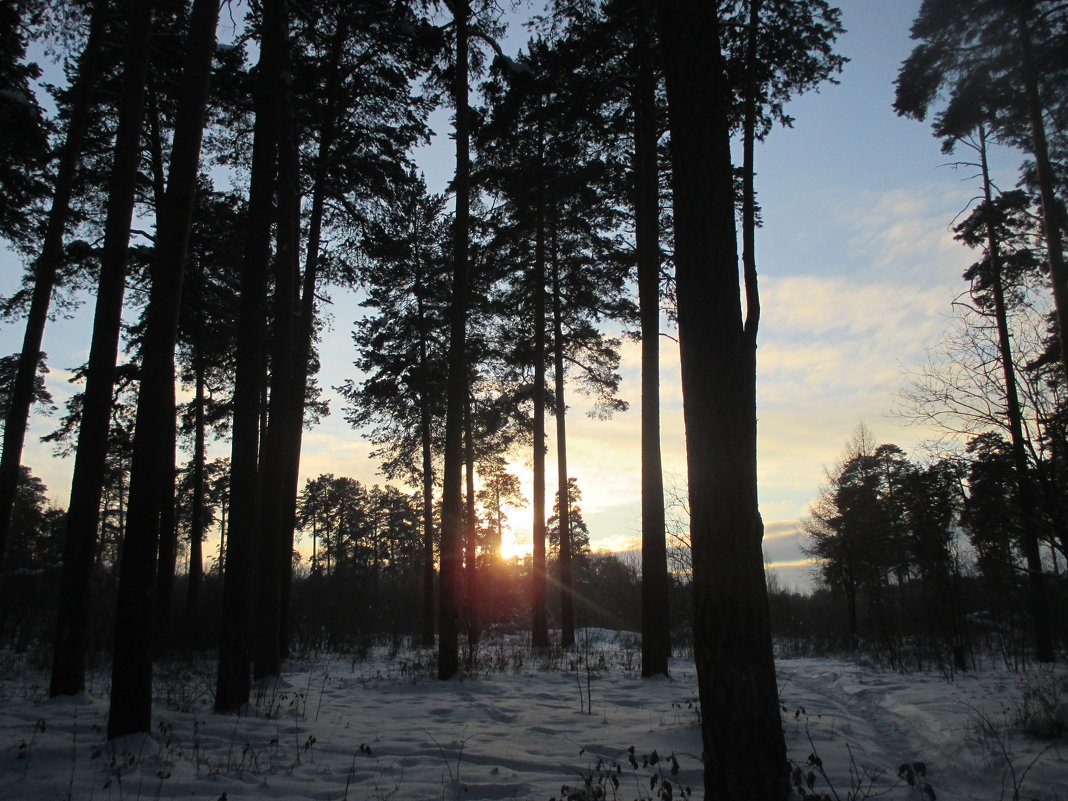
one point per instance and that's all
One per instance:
(206, 174)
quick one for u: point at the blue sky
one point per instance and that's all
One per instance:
(858, 268)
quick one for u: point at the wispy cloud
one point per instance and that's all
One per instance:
(793, 563)
(779, 529)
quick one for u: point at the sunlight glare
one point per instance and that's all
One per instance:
(512, 549)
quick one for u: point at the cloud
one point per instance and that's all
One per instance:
(811, 307)
(779, 529)
(335, 448)
(793, 563)
(907, 229)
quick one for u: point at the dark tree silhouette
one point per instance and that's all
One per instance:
(456, 387)
(235, 648)
(152, 472)
(207, 331)
(989, 226)
(278, 458)
(23, 133)
(68, 665)
(1005, 62)
(401, 349)
(17, 409)
(656, 628)
(743, 740)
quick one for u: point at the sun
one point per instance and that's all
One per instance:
(510, 549)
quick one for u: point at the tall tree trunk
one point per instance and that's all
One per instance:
(1052, 212)
(567, 584)
(295, 427)
(196, 512)
(1024, 487)
(235, 645)
(223, 532)
(428, 484)
(745, 754)
(427, 478)
(168, 523)
(539, 635)
(471, 588)
(656, 619)
(68, 664)
(152, 469)
(749, 268)
(167, 553)
(456, 389)
(45, 269)
(274, 557)
(304, 334)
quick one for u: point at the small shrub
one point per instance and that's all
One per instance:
(653, 779)
(1041, 705)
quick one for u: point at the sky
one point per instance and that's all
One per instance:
(858, 268)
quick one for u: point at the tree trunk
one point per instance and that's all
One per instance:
(223, 535)
(168, 524)
(744, 750)
(68, 665)
(471, 606)
(196, 513)
(1052, 212)
(45, 269)
(428, 504)
(304, 335)
(456, 390)
(749, 268)
(428, 487)
(1024, 487)
(295, 431)
(152, 469)
(539, 635)
(274, 557)
(656, 619)
(235, 645)
(567, 584)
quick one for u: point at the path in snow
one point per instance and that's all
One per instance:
(383, 729)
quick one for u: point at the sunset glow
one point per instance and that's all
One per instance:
(829, 242)
(511, 549)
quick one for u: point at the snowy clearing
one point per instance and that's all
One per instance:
(381, 727)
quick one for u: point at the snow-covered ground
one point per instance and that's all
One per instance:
(523, 727)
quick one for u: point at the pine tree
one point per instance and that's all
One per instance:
(1004, 62)
(743, 739)
(46, 267)
(154, 434)
(235, 650)
(989, 226)
(68, 666)
(402, 351)
(456, 382)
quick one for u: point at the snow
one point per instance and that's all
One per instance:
(524, 726)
